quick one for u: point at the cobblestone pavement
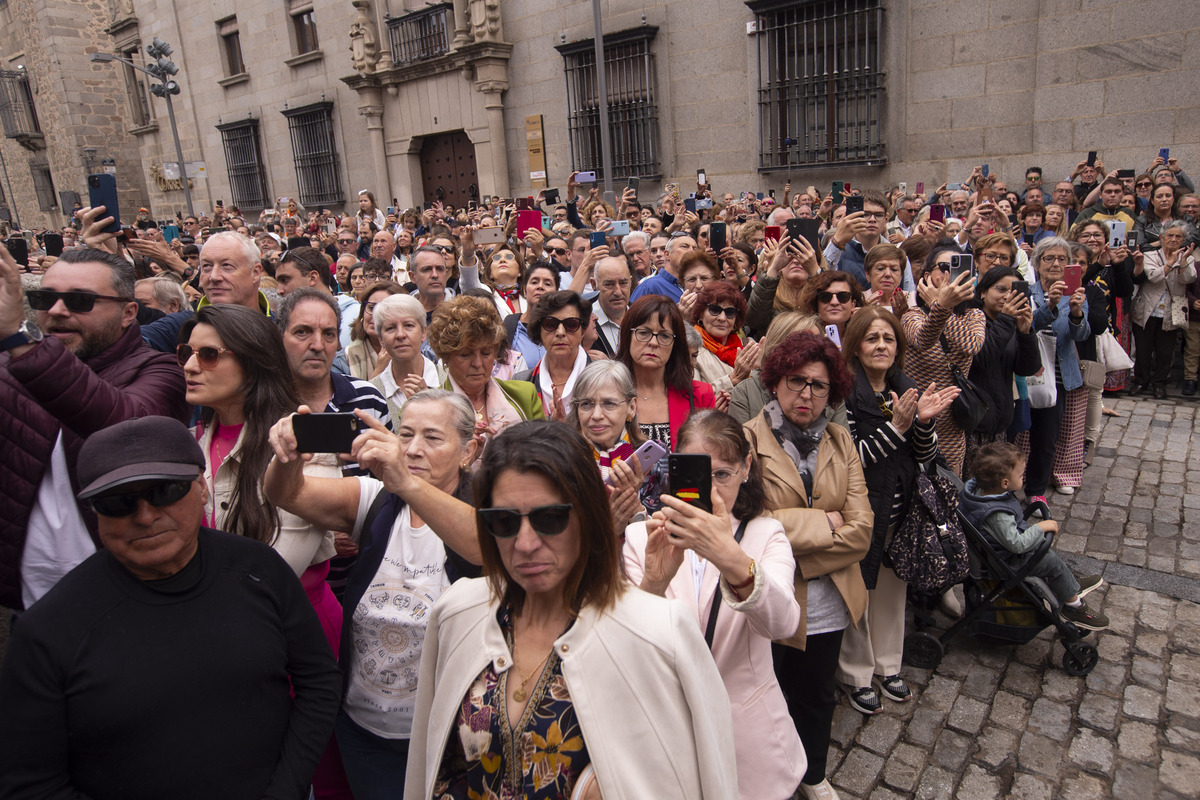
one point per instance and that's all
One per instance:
(998, 721)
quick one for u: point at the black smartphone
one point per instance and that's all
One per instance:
(690, 477)
(839, 188)
(634, 182)
(689, 204)
(598, 239)
(771, 193)
(1091, 159)
(716, 236)
(331, 432)
(102, 191)
(298, 241)
(550, 198)
(854, 203)
(1126, 173)
(1131, 241)
(809, 229)
(1028, 237)
(19, 249)
(53, 242)
(961, 264)
(1023, 288)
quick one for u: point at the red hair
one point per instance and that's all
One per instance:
(803, 348)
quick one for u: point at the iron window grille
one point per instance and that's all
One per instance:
(821, 82)
(632, 106)
(315, 154)
(43, 185)
(17, 111)
(243, 159)
(421, 35)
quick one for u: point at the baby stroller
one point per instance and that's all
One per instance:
(1003, 604)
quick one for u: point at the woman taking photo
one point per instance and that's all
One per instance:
(790, 265)
(1160, 307)
(413, 522)
(740, 266)
(467, 334)
(558, 322)
(892, 423)
(526, 662)
(832, 296)
(1009, 349)
(362, 355)
(748, 607)
(402, 370)
(1030, 230)
(724, 360)
(815, 488)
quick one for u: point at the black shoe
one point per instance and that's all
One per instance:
(1160, 393)
(1084, 617)
(1088, 584)
(865, 701)
(1087, 453)
(1189, 388)
(1136, 388)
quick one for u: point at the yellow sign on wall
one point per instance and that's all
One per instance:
(537, 152)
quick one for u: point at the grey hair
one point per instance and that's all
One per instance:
(596, 376)
(288, 303)
(462, 417)
(249, 248)
(671, 242)
(633, 236)
(166, 290)
(693, 337)
(1056, 242)
(396, 307)
(780, 215)
(1182, 224)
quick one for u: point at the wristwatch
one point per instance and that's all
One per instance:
(28, 333)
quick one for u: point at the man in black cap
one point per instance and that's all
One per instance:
(165, 665)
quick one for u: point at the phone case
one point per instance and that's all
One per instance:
(528, 219)
(690, 478)
(325, 432)
(102, 191)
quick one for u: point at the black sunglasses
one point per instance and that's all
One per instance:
(825, 297)
(550, 324)
(76, 302)
(729, 311)
(558, 251)
(158, 495)
(505, 523)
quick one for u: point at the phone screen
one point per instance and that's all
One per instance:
(690, 477)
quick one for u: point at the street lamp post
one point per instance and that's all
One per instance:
(161, 69)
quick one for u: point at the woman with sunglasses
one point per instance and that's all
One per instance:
(719, 314)
(815, 488)
(540, 278)
(414, 526)
(832, 296)
(943, 332)
(237, 371)
(526, 668)
(557, 325)
(501, 278)
(737, 587)
(365, 347)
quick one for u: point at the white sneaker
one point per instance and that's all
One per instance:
(1068, 490)
(822, 791)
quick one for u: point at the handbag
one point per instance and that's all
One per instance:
(1093, 374)
(1110, 353)
(971, 405)
(929, 548)
(1042, 391)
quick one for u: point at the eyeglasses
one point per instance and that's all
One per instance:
(206, 357)
(872, 215)
(558, 251)
(724, 476)
(76, 302)
(729, 311)
(1055, 260)
(505, 523)
(826, 297)
(551, 324)
(645, 335)
(996, 258)
(1090, 235)
(159, 495)
(378, 276)
(798, 385)
(347, 241)
(442, 248)
(1143, 184)
(607, 406)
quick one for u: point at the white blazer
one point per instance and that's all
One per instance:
(647, 694)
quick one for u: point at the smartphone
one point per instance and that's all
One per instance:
(758, 196)
(633, 184)
(953, 187)
(102, 191)
(1023, 288)
(648, 455)
(716, 236)
(492, 235)
(1126, 173)
(19, 249)
(527, 219)
(53, 242)
(808, 229)
(170, 232)
(839, 189)
(1073, 278)
(986, 192)
(1091, 159)
(774, 233)
(703, 203)
(1116, 232)
(620, 227)
(326, 432)
(771, 193)
(903, 187)
(547, 222)
(391, 211)
(921, 188)
(471, 205)
(598, 239)
(1028, 237)
(831, 332)
(702, 177)
(689, 204)
(961, 264)
(1164, 154)
(984, 169)
(854, 204)
(937, 213)
(298, 241)
(126, 234)
(221, 203)
(550, 197)
(690, 479)
(585, 177)
(524, 203)
(1131, 241)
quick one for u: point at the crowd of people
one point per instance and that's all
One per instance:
(379, 505)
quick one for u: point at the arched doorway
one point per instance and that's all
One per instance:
(448, 169)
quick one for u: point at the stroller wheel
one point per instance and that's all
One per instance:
(924, 650)
(1080, 658)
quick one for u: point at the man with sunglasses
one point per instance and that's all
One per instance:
(203, 643)
(81, 367)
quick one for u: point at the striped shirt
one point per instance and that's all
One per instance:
(886, 440)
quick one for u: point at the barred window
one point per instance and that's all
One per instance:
(243, 159)
(43, 185)
(17, 111)
(632, 106)
(821, 82)
(315, 154)
(421, 34)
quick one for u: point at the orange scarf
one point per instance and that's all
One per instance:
(726, 352)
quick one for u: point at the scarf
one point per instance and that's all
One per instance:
(726, 352)
(621, 451)
(511, 295)
(799, 443)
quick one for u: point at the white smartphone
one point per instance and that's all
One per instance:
(832, 332)
(585, 177)
(648, 455)
(489, 236)
(1116, 233)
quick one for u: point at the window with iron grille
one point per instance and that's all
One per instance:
(821, 82)
(632, 105)
(315, 154)
(243, 159)
(304, 26)
(421, 35)
(43, 185)
(231, 46)
(17, 111)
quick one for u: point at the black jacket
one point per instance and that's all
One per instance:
(1006, 352)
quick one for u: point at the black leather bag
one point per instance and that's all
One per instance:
(971, 405)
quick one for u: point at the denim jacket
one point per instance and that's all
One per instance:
(1066, 332)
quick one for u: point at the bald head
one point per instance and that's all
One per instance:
(383, 246)
(614, 283)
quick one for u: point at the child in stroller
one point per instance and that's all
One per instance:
(989, 503)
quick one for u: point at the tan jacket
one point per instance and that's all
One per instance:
(838, 485)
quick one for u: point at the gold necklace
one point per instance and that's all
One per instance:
(520, 695)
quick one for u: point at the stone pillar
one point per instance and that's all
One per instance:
(374, 117)
(497, 152)
(462, 28)
(404, 159)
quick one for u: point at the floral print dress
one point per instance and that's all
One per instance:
(540, 759)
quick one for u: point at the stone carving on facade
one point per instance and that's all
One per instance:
(485, 20)
(364, 39)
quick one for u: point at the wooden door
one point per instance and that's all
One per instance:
(448, 169)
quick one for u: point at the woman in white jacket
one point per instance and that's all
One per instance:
(1160, 306)
(553, 678)
(701, 560)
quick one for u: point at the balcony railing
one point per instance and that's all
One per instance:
(17, 112)
(421, 35)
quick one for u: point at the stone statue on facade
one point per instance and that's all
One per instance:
(364, 39)
(485, 20)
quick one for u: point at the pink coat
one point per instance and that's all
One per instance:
(770, 757)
